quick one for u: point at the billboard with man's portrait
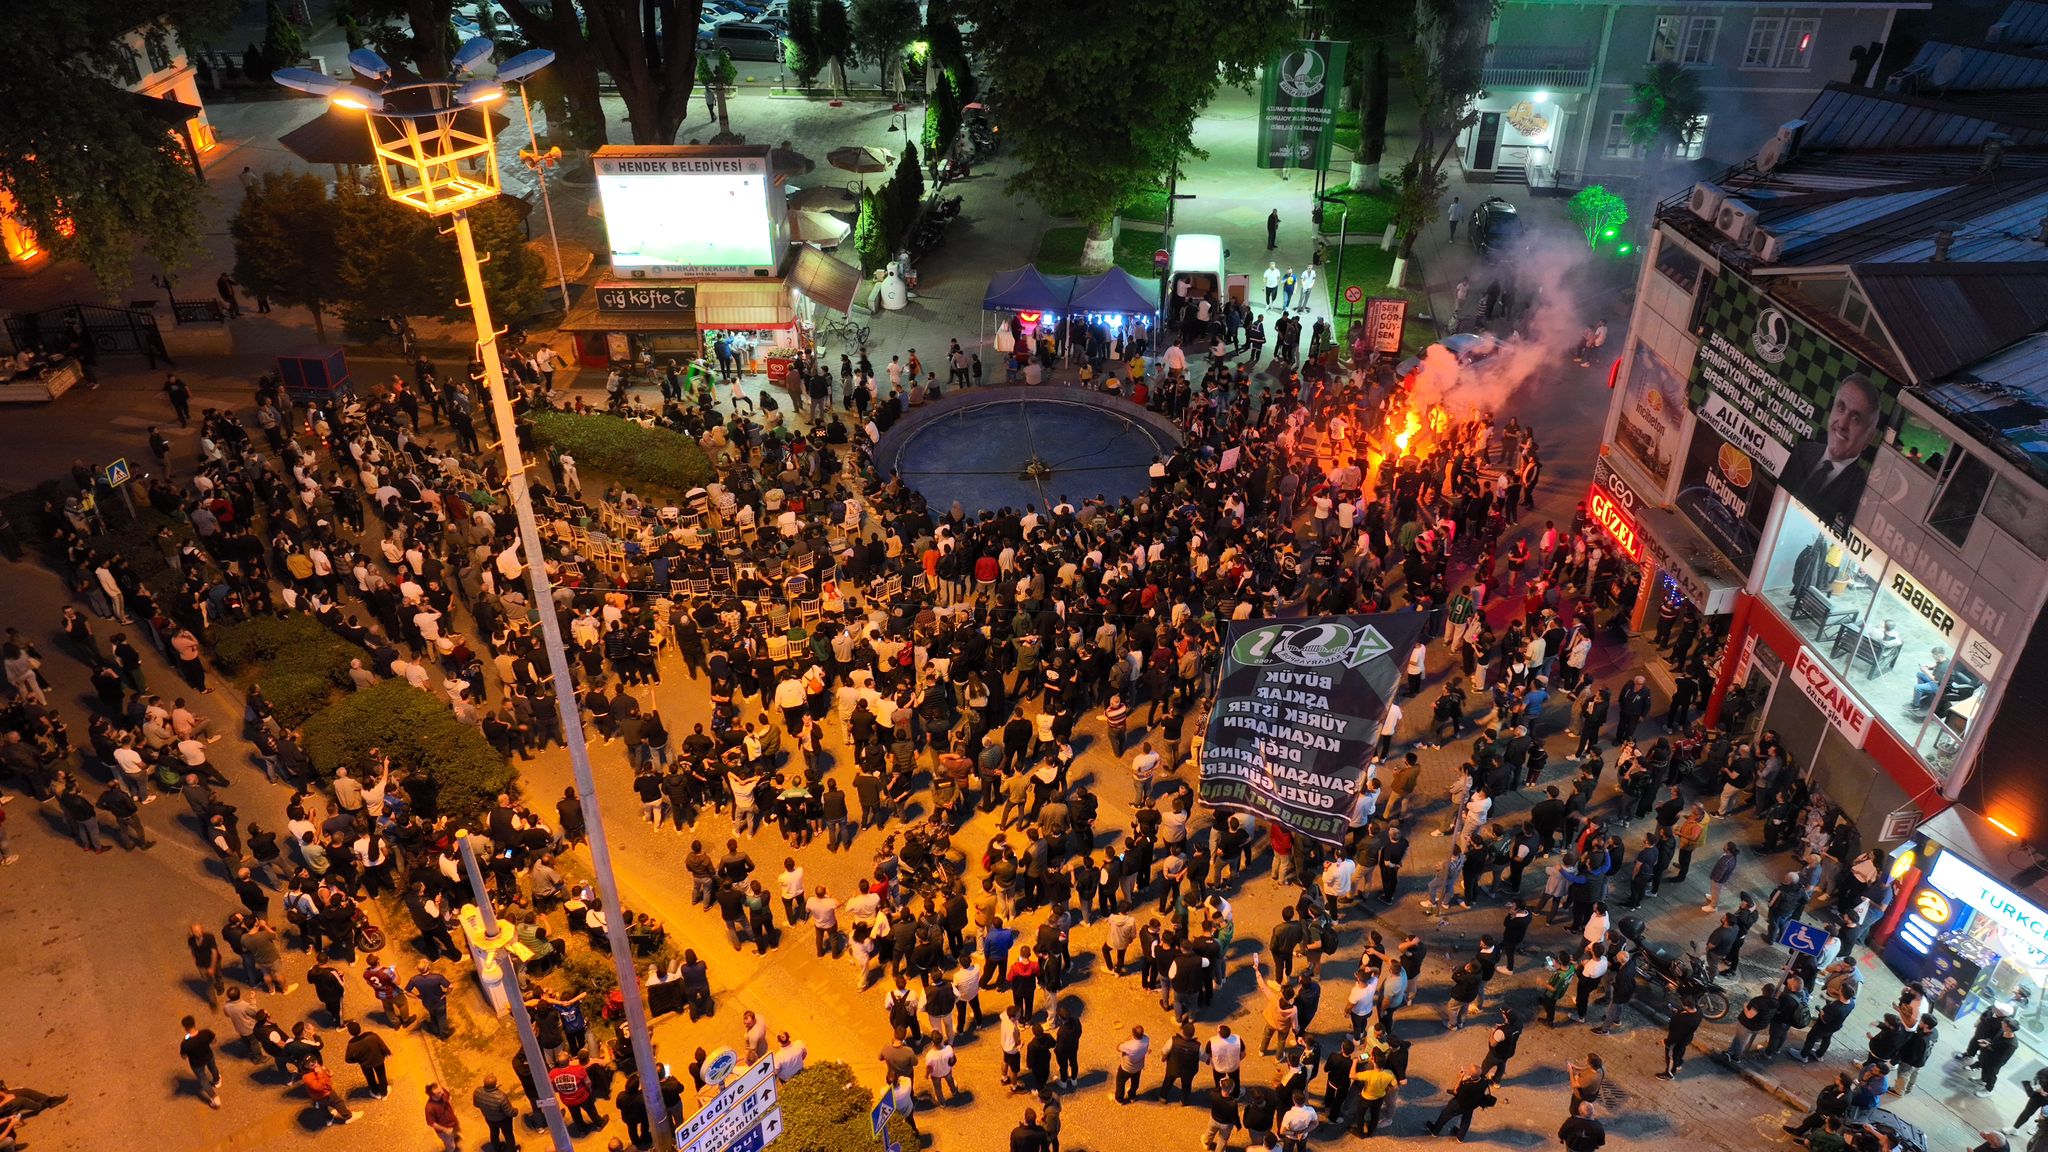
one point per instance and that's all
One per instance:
(1807, 412)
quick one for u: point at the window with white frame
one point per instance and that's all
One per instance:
(1775, 42)
(1665, 37)
(1617, 145)
(1700, 34)
(1694, 142)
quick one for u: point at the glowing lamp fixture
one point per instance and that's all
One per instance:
(1540, 98)
(339, 92)
(369, 65)
(479, 92)
(2002, 826)
(523, 65)
(472, 53)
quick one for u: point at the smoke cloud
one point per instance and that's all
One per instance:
(1542, 316)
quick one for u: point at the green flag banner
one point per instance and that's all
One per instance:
(1298, 104)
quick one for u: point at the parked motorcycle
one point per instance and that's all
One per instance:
(1679, 973)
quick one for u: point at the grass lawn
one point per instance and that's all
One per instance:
(1148, 207)
(1059, 252)
(1368, 267)
(1371, 212)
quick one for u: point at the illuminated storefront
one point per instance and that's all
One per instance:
(1973, 937)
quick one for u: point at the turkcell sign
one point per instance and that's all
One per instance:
(1831, 696)
(2025, 923)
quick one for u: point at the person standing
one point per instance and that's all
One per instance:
(1131, 1054)
(441, 1118)
(498, 1112)
(1467, 1096)
(1272, 229)
(1580, 1132)
(197, 1049)
(368, 1052)
(432, 989)
(319, 1085)
(1755, 1020)
(1678, 1034)
(1451, 216)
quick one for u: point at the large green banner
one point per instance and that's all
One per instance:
(1298, 104)
(1298, 708)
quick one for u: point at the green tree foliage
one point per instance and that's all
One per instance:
(624, 450)
(1595, 210)
(1444, 70)
(284, 244)
(871, 232)
(948, 47)
(282, 46)
(647, 47)
(568, 88)
(825, 1109)
(1667, 112)
(91, 173)
(904, 190)
(717, 74)
(881, 30)
(835, 41)
(942, 113)
(800, 48)
(298, 662)
(1094, 104)
(394, 259)
(450, 768)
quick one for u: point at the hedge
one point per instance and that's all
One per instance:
(453, 770)
(624, 450)
(825, 1109)
(134, 538)
(300, 664)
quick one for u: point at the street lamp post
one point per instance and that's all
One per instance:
(434, 156)
(496, 942)
(541, 162)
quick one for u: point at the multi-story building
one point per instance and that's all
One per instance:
(1830, 435)
(1560, 77)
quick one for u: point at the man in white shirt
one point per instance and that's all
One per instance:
(1388, 726)
(1224, 1054)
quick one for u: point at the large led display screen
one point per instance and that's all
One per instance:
(689, 211)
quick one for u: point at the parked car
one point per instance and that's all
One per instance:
(1496, 226)
(746, 41)
(1468, 347)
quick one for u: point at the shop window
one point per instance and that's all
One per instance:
(1617, 146)
(1924, 444)
(2021, 511)
(1694, 142)
(1700, 34)
(1664, 39)
(127, 65)
(1954, 690)
(159, 49)
(1955, 510)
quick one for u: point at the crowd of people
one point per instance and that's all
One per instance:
(880, 673)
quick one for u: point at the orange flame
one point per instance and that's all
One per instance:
(1407, 434)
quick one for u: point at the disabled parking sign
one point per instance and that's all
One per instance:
(1804, 938)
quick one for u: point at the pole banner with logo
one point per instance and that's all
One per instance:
(1386, 317)
(1298, 706)
(1298, 104)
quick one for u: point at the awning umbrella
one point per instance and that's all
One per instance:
(817, 228)
(823, 198)
(790, 162)
(861, 159)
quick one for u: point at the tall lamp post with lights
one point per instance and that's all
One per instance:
(435, 154)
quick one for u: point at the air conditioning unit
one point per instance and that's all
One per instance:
(1768, 247)
(1771, 155)
(1706, 200)
(1736, 221)
(1791, 130)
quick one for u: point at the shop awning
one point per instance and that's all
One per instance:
(744, 306)
(825, 279)
(1697, 567)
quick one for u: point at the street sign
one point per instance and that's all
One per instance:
(884, 1108)
(738, 1106)
(1803, 938)
(760, 1135)
(719, 1065)
(1159, 258)
(116, 474)
(1353, 294)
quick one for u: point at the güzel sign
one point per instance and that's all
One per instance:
(1832, 697)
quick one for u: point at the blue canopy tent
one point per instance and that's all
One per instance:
(1114, 291)
(1026, 289)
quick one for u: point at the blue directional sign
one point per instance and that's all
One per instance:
(884, 1108)
(116, 474)
(1804, 938)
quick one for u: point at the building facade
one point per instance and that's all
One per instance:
(1804, 446)
(1560, 77)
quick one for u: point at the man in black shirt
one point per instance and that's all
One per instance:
(1582, 1133)
(1678, 1034)
(1467, 1096)
(197, 1049)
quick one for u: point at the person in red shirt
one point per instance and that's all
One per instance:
(442, 1119)
(319, 1085)
(571, 1081)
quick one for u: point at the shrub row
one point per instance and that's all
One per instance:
(298, 662)
(624, 450)
(453, 770)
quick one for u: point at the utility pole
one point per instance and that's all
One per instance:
(507, 967)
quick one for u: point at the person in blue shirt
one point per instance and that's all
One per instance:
(995, 954)
(432, 990)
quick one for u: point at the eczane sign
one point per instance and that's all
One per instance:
(1831, 696)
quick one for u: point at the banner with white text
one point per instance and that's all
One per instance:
(1298, 707)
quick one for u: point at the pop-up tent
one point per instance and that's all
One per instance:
(1027, 289)
(1114, 291)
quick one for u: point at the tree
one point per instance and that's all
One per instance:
(285, 244)
(394, 259)
(1379, 34)
(88, 169)
(282, 46)
(1096, 109)
(717, 74)
(835, 41)
(871, 232)
(904, 190)
(424, 37)
(1597, 211)
(1668, 110)
(942, 112)
(569, 85)
(881, 30)
(800, 46)
(649, 49)
(1444, 69)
